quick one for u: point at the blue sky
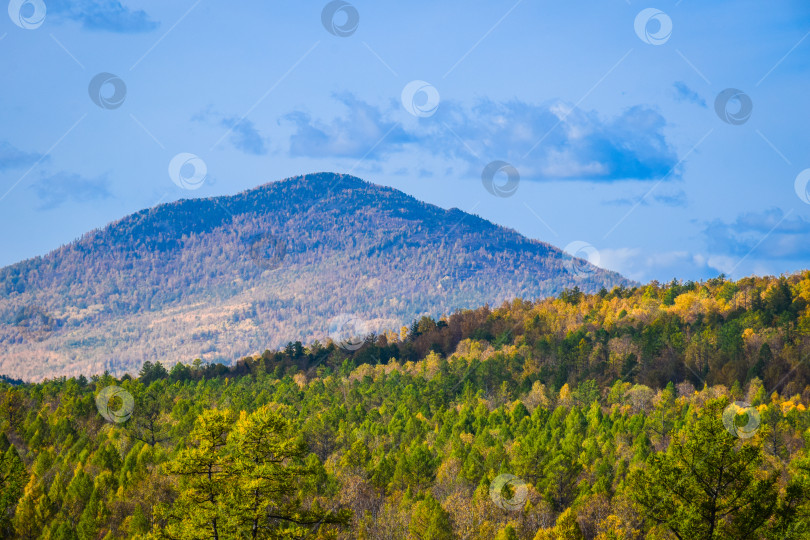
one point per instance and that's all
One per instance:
(607, 111)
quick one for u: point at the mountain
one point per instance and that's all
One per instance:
(310, 257)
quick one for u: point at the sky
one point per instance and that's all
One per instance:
(660, 141)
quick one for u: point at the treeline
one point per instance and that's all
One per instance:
(716, 332)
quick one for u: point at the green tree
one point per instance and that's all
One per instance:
(152, 372)
(707, 484)
(243, 480)
(269, 476)
(180, 372)
(507, 533)
(77, 494)
(146, 424)
(12, 482)
(198, 511)
(91, 520)
(138, 523)
(565, 528)
(33, 509)
(429, 521)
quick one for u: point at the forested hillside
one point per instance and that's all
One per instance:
(664, 411)
(224, 277)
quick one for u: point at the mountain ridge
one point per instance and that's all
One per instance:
(233, 275)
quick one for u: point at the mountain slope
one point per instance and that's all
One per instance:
(224, 277)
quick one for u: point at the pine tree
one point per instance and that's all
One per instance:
(268, 475)
(707, 484)
(12, 482)
(507, 533)
(565, 528)
(243, 481)
(203, 469)
(430, 521)
(89, 523)
(33, 509)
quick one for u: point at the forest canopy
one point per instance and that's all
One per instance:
(666, 411)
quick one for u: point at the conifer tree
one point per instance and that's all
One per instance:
(708, 483)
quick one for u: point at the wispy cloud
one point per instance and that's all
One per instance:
(676, 198)
(577, 144)
(12, 157)
(103, 15)
(59, 188)
(242, 133)
(684, 93)
(769, 234)
(359, 134)
(244, 136)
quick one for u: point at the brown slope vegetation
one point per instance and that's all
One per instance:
(223, 277)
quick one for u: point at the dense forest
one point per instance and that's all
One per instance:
(664, 411)
(224, 277)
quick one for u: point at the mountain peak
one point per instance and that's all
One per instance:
(324, 180)
(224, 277)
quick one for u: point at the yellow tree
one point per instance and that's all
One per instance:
(566, 528)
(203, 469)
(243, 480)
(270, 475)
